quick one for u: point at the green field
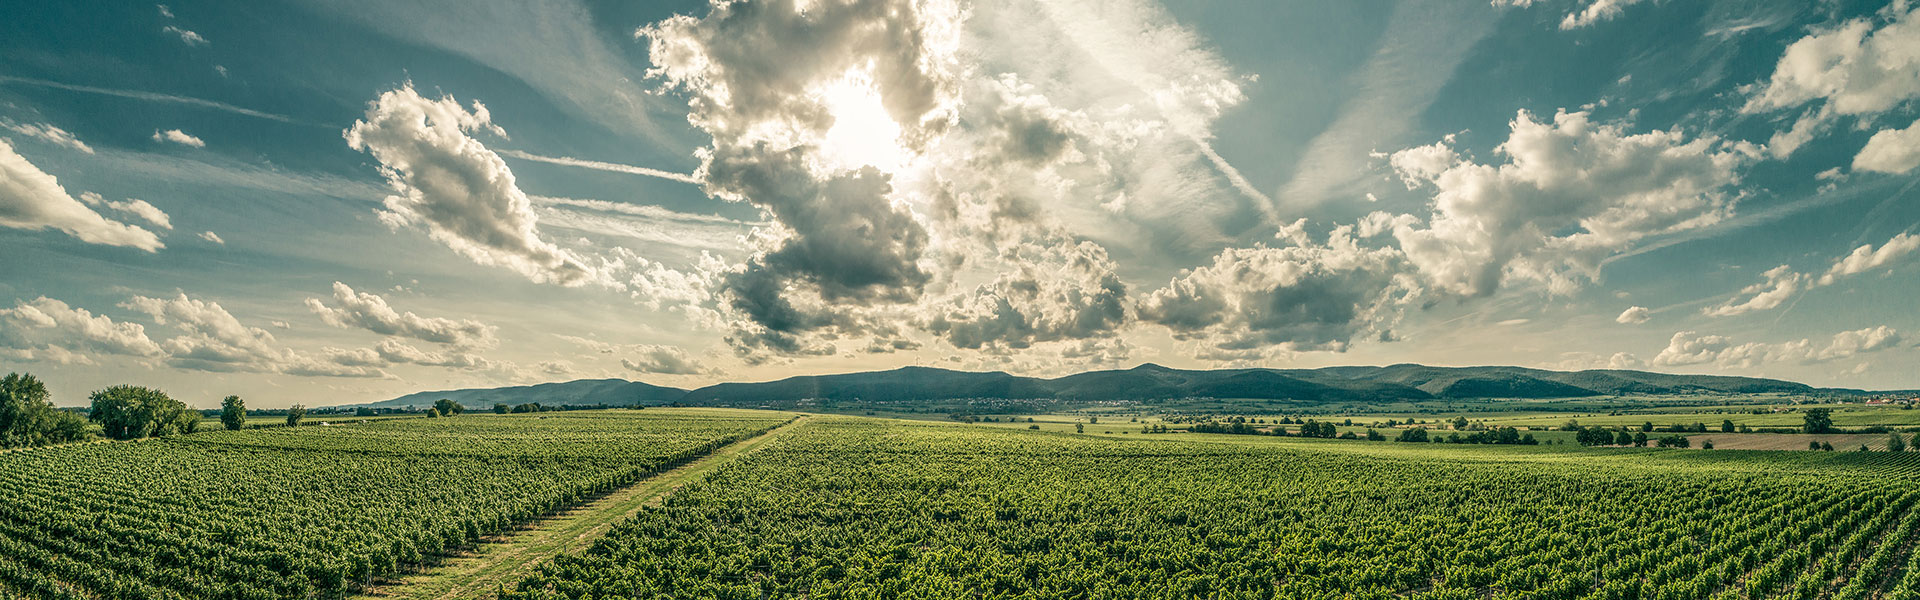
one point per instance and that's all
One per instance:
(299, 512)
(860, 508)
(670, 503)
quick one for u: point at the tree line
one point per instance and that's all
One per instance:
(28, 417)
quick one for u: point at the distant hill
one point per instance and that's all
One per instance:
(612, 392)
(1147, 382)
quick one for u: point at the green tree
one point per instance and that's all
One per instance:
(1647, 427)
(1819, 420)
(1416, 434)
(28, 418)
(501, 409)
(1623, 438)
(233, 413)
(295, 413)
(1079, 427)
(1461, 422)
(1896, 443)
(448, 407)
(1640, 439)
(1706, 445)
(127, 412)
(1726, 426)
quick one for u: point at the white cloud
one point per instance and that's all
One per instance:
(1571, 193)
(212, 237)
(178, 137)
(1593, 11)
(372, 313)
(463, 193)
(1065, 291)
(390, 352)
(1858, 67)
(1866, 257)
(1783, 282)
(186, 37)
(32, 199)
(47, 133)
(1780, 285)
(662, 360)
(1634, 315)
(1894, 151)
(1296, 298)
(49, 328)
(1694, 348)
(600, 166)
(146, 212)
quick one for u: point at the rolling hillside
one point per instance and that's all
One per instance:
(1146, 382)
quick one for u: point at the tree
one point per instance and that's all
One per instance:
(1460, 422)
(295, 413)
(1826, 446)
(1726, 426)
(1416, 434)
(448, 407)
(1706, 445)
(1375, 436)
(128, 412)
(501, 409)
(1648, 427)
(1640, 439)
(1622, 438)
(1896, 443)
(1819, 420)
(28, 418)
(1813, 445)
(233, 413)
(433, 413)
(1916, 441)
(1079, 427)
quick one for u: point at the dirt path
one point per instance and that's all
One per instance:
(505, 561)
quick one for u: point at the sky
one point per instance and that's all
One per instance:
(345, 201)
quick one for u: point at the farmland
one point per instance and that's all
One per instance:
(298, 512)
(670, 502)
(861, 508)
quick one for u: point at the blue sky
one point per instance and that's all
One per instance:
(327, 202)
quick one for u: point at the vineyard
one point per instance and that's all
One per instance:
(315, 511)
(860, 508)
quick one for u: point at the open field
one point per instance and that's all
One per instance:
(293, 512)
(847, 507)
(706, 503)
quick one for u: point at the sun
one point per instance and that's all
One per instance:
(863, 134)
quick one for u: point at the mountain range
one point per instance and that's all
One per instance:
(1405, 382)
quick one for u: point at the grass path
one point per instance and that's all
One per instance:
(504, 561)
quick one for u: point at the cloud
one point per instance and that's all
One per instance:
(1571, 193)
(600, 166)
(178, 137)
(212, 237)
(48, 328)
(1296, 298)
(212, 339)
(1866, 257)
(1066, 292)
(1858, 68)
(558, 367)
(47, 133)
(771, 84)
(1634, 315)
(1594, 11)
(1693, 348)
(372, 313)
(32, 199)
(132, 206)
(148, 96)
(462, 193)
(186, 37)
(1892, 151)
(390, 352)
(1783, 282)
(662, 360)
(1780, 285)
